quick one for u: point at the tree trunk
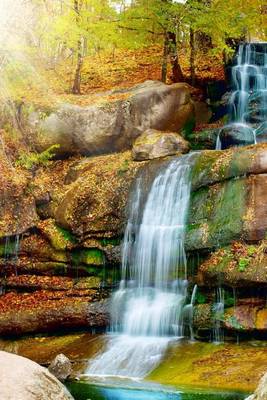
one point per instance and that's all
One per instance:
(170, 50)
(192, 57)
(76, 88)
(177, 74)
(164, 64)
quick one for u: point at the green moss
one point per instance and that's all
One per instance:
(201, 298)
(188, 127)
(243, 264)
(7, 248)
(110, 242)
(216, 215)
(67, 235)
(88, 257)
(123, 168)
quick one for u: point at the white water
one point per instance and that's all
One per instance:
(218, 311)
(147, 308)
(248, 102)
(188, 313)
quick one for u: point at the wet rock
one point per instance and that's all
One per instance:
(236, 135)
(22, 379)
(261, 391)
(60, 367)
(261, 133)
(204, 139)
(155, 144)
(114, 125)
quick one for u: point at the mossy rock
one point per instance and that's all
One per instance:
(238, 265)
(202, 140)
(60, 238)
(91, 257)
(215, 215)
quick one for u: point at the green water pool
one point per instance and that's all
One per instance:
(85, 391)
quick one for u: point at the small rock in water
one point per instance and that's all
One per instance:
(60, 367)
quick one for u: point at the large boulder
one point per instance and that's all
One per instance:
(113, 125)
(155, 144)
(261, 391)
(22, 379)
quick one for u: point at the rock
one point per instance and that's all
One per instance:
(239, 265)
(242, 318)
(203, 139)
(93, 202)
(236, 135)
(155, 144)
(50, 311)
(113, 125)
(261, 133)
(261, 391)
(17, 206)
(22, 379)
(60, 367)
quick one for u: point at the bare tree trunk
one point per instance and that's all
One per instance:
(177, 74)
(76, 88)
(192, 57)
(164, 64)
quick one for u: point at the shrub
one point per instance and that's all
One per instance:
(31, 160)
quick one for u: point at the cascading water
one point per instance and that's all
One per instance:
(188, 313)
(218, 312)
(248, 102)
(147, 308)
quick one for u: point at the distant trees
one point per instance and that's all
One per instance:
(73, 28)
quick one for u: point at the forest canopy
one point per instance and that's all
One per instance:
(43, 35)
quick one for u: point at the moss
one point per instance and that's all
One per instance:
(60, 238)
(189, 127)
(212, 366)
(110, 242)
(200, 298)
(68, 236)
(8, 248)
(243, 264)
(215, 215)
(88, 257)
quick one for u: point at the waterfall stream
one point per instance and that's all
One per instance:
(248, 102)
(147, 308)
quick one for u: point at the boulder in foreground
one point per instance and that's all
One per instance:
(22, 379)
(261, 391)
(114, 123)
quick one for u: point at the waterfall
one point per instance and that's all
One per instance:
(147, 308)
(218, 314)
(188, 313)
(248, 102)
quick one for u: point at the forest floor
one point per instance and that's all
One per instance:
(105, 71)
